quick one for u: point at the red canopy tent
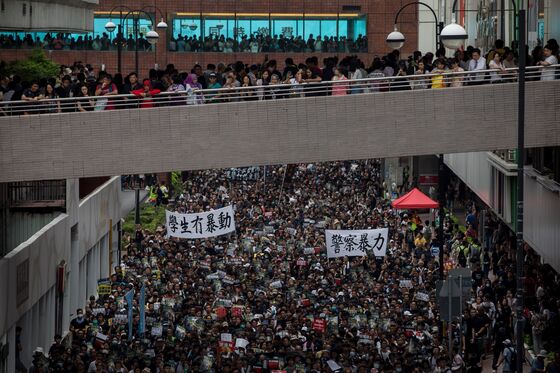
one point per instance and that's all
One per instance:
(414, 199)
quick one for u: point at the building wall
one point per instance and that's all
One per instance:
(541, 207)
(379, 15)
(80, 239)
(475, 171)
(552, 15)
(62, 15)
(21, 225)
(542, 218)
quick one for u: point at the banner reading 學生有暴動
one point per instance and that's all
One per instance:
(200, 225)
(356, 242)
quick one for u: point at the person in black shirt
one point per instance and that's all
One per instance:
(80, 322)
(131, 83)
(64, 90)
(479, 328)
(477, 277)
(139, 236)
(32, 95)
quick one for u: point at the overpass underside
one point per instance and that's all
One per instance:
(311, 129)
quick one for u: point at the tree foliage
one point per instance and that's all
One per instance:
(36, 66)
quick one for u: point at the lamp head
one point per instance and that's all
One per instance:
(395, 39)
(161, 25)
(110, 26)
(152, 37)
(453, 36)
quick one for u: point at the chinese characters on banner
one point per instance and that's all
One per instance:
(104, 286)
(201, 225)
(356, 242)
(319, 325)
(244, 173)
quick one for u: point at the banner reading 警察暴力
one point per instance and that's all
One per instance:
(356, 242)
(200, 225)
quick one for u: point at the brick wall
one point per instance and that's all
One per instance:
(380, 16)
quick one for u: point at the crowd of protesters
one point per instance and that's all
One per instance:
(181, 43)
(283, 305)
(300, 80)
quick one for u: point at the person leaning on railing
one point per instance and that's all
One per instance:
(549, 59)
(341, 87)
(146, 93)
(495, 64)
(419, 81)
(477, 64)
(85, 102)
(106, 88)
(456, 80)
(247, 94)
(50, 102)
(32, 96)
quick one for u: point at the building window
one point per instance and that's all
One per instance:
(275, 33)
(546, 161)
(144, 25)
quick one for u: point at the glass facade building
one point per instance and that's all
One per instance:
(238, 26)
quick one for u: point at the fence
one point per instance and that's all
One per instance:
(287, 90)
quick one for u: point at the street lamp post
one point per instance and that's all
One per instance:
(520, 199)
(152, 36)
(456, 34)
(396, 39)
(137, 204)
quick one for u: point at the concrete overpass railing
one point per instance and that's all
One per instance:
(384, 118)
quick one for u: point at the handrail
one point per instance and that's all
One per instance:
(277, 91)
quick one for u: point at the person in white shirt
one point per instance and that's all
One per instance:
(548, 73)
(477, 63)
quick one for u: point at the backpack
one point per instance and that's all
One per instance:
(475, 253)
(512, 360)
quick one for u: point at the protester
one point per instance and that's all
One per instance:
(146, 93)
(266, 296)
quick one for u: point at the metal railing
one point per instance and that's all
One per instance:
(376, 83)
(32, 191)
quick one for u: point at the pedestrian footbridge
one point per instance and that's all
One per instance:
(273, 125)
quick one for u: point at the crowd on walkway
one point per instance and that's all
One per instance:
(232, 82)
(266, 298)
(255, 43)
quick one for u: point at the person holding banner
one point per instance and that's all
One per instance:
(284, 278)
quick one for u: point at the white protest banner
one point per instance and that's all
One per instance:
(423, 297)
(157, 330)
(244, 173)
(200, 225)
(226, 337)
(241, 343)
(356, 242)
(405, 284)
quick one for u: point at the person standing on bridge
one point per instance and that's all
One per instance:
(106, 88)
(476, 64)
(146, 93)
(550, 59)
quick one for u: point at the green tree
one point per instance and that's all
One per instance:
(36, 66)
